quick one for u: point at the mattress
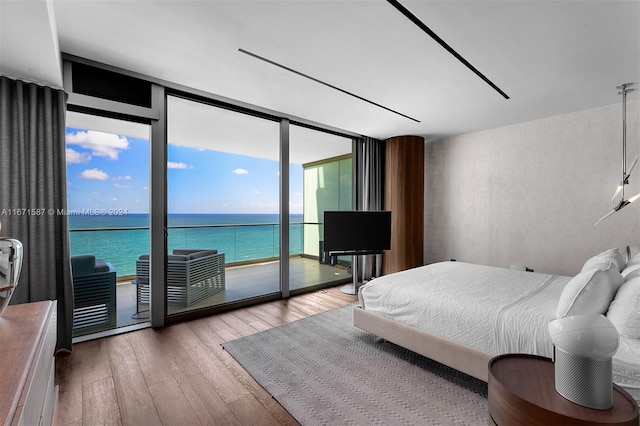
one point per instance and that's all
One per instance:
(494, 310)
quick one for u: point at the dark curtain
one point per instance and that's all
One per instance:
(33, 194)
(370, 190)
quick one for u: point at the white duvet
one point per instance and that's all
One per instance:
(491, 309)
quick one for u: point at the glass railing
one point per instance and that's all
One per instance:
(240, 242)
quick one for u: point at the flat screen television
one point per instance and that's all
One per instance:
(357, 232)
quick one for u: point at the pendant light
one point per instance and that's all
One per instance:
(626, 172)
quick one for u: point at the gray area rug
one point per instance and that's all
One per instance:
(325, 371)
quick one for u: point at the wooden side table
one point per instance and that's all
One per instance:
(522, 392)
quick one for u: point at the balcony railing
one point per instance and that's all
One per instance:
(240, 242)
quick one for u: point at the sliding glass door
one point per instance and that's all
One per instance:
(321, 179)
(222, 202)
(234, 214)
(108, 213)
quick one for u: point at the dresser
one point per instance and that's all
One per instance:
(28, 395)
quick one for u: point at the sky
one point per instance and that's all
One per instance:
(110, 173)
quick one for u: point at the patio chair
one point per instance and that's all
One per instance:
(192, 275)
(94, 295)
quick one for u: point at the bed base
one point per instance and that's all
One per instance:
(455, 355)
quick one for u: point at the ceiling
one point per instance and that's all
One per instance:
(550, 57)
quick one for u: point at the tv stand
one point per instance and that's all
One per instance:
(353, 287)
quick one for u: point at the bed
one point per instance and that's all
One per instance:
(463, 314)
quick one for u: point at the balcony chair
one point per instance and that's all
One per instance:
(192, 275)
(94, 295)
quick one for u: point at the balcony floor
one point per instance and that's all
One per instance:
(242, 282)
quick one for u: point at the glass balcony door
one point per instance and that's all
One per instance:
(321, 179)
(223, 206)
(108, 213)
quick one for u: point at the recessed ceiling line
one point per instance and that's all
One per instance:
(324, 83)
(413, 18)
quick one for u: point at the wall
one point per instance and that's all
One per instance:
(529, 193)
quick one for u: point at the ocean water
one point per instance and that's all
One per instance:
(121, 239)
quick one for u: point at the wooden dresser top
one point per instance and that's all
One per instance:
(21, 331)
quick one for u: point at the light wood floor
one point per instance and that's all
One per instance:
(179, 374)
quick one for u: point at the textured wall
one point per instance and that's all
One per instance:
(529, 193)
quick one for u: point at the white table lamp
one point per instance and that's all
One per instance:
(583, 346)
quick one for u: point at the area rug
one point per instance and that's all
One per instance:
(325, 371)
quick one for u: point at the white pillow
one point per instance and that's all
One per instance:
(631, 275)
(633, 265)
(624, 311)
(632, 250)
(599, 261)
(589, 292)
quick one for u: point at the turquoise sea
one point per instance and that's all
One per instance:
(121, 239)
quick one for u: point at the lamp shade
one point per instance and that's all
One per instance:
(592, 336)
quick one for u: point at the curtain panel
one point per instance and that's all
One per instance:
(370, 190)
(33, 194)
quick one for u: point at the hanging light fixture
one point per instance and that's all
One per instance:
(626, 172)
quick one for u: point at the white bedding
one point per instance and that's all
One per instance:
(491, 309)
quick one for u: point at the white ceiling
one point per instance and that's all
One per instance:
(550, 57)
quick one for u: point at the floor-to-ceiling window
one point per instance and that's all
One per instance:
(237, 205)
(321, 179)
(223, 206)
(108, 213)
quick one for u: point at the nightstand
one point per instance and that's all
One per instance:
(522, 392)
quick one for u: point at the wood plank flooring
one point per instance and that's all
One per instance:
(179, 374)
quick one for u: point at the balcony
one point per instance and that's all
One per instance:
(251, 268)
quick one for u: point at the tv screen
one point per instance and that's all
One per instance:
(357, 231)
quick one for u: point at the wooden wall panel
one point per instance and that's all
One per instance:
(404, 197)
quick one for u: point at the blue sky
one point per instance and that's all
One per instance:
(106, 171)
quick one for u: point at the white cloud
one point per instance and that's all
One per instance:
(75, 157)
(114, 199)
(146, 188)
(123, 177)
(101, 144)
(177, 165)
(255, 191)
(119, 185)
(239, 171)
(95, 174)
